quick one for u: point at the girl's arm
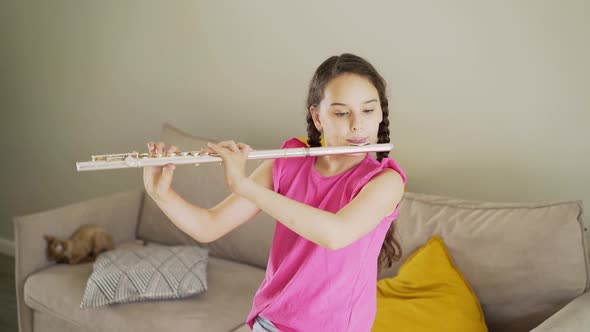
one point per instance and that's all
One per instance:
(206, 225)
(378, 199)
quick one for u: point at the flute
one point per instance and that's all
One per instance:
(135, 159)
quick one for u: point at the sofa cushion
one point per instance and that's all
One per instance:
(428, 294)
(153, 272)
(205, 186)
(49, 323)
(58, 291)
(524, 261)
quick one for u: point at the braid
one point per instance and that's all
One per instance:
(313, 134)
(383, 134)
(391, 249)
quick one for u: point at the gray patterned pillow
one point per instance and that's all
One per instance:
(153, 272)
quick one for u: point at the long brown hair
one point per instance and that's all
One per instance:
(351, 64)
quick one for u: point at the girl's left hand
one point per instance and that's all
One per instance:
(235, 156)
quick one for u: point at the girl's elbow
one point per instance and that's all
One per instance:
(205, 235)
(336, 242)
(333, 247)
(209, 236)
(338, 238)
(329, 246)
(327, 243)
(202, 239)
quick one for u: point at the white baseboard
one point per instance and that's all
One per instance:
(6, 247)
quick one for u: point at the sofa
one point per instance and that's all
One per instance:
(526, 262)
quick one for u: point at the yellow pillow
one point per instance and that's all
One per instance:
(428, 294)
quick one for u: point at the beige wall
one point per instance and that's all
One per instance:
(490, 99)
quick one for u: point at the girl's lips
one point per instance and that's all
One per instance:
(358, 141)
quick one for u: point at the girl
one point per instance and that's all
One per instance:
(334, 212)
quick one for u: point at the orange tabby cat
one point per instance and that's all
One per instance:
(82, 247)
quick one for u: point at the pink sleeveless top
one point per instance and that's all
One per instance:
(308, 287)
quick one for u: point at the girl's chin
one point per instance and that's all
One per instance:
(357, 154)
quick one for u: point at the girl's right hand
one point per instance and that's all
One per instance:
(157, 179)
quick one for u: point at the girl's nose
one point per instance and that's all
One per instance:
(356, 123)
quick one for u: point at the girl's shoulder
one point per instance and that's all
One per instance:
(293, 143)
(375, 168)
(289, 166)
(388, 164)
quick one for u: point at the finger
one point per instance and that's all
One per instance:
(221, 146)
(233, 146)
(150, 146)
(160, 146)
(206, 150)
(172, 148)
(230, 145)
(166, 177)
(148, 177)
(219, 150)
(149, 172)
(225, 143)
(244, 148)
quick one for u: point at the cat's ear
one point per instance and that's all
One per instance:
(59, 247)
(49, 238)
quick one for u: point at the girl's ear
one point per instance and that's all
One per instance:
(315, 115)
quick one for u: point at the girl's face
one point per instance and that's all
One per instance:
(350, 112)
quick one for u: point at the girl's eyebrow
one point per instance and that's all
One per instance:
(341, 104)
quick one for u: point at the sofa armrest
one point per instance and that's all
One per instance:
(118, 213)
(575, 316)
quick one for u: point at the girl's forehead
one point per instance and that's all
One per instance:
(350, 89)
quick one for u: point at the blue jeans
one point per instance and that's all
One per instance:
(262, 324)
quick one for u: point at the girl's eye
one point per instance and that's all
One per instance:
(368, 111)
(341, 113)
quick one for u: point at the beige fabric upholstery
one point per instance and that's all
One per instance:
(573, 317)
(117, 213)
(51, 323)
(524, 261)
(205, 186)
(243, 328)
(58, 291)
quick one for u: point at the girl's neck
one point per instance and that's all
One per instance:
(330, 165)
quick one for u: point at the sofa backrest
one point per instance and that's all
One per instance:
(205, 186)
(524, 261)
